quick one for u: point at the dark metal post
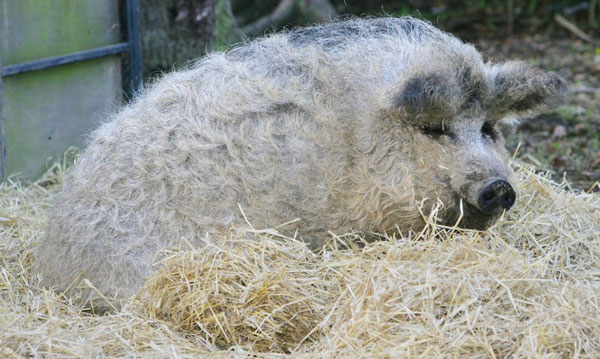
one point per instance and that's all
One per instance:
(2, 135)
(133, 68)
(35, 65)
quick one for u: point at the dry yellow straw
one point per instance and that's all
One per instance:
(526, 288)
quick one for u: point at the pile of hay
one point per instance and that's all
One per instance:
(527, 288)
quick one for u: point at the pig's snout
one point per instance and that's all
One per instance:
(496, 196)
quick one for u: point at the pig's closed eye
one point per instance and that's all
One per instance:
(435, 132)
(488, 130)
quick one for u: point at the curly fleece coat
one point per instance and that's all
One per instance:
(346, 126)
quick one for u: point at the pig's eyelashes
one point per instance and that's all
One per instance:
(436, 132)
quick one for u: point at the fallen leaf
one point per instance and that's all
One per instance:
(558, 162)
(560, 131)
(593, 176)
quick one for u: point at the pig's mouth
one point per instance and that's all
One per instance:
(472, 217)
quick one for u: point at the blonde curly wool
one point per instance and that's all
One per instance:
(323, 124)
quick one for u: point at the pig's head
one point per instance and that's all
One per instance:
(455, 120)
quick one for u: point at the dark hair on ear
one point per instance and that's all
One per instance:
(428, 94)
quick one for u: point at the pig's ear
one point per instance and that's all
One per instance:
(523, 90)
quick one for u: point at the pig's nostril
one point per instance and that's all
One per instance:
(496, 196)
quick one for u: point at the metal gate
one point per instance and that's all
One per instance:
(33, 124)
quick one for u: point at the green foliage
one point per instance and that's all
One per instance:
(489, 18)
(226, 32)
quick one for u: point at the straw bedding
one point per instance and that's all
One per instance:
(526, 288)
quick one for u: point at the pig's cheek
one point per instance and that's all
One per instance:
(442, 178)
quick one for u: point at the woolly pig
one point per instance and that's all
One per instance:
(349, 126)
